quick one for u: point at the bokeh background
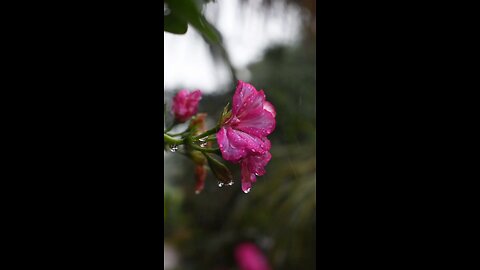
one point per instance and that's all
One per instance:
(270, 44)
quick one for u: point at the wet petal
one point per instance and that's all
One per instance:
(247, 177)
(230, 150)
(259, 123)
(269, 107)
(246, 99)
(252, 144)
(256, 163)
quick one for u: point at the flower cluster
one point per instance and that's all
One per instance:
(241, 135)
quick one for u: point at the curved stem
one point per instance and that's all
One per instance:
(207, 133)
(170, 128)
(172, 140)
(212, 139)
(177, 134)
(205, 150)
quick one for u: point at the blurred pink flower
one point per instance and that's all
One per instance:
(250, 257)
(185, 105)
(252, 119)
(200, 176)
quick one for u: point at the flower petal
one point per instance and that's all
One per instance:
(247, 177)
(246, 99)
(259, 123)
(230, 152)
(252, 144)
(256, 163)
(269, 107)
(236, 145)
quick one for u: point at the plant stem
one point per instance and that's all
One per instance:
(172, 140)
(170, 128)
(178, 134)
(205, 150)
(207, 133)
(212, 139)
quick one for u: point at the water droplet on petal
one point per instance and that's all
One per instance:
(173, 148)
(247, 190)
(220, 184)
(256, 174)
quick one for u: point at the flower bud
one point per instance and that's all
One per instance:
(200, 176)
(185, 105)
(221, 172)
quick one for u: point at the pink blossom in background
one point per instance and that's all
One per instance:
(200, 176)
(250, 257)
(243, 136)
(185, 104)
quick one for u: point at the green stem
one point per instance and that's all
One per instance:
(206, 150)
(171, 140)
(207, 133)
(178, 134)
(212, 139)
(170, 128)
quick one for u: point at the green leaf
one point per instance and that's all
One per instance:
(225, 115)
(189, 11)
(175, 24)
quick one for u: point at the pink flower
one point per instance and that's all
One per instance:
(250, 257)
(185, 105)
(252, 119)
(242, 137)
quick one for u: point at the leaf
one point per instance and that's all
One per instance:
(225, 115)
(189, 11)
(175, 24)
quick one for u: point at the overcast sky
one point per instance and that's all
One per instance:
(247, 31)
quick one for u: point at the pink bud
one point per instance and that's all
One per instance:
(200, 176)
(185, 104)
